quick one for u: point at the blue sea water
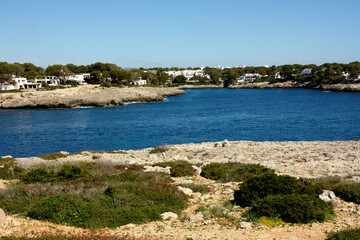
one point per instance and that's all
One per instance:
(198, 116)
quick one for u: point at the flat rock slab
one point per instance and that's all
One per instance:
(2, 217)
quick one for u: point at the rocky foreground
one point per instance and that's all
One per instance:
(289, 84)
(299, 159)
(85, 96)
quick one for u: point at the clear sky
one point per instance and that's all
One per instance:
(182, 33)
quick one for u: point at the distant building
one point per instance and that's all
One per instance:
(79, 77)
(188, 73)
(31, 85)
(19, 82)
(277, 75)
(51, 80)
(249, 77)
(306, 72)
(140, 82)
(7, 86)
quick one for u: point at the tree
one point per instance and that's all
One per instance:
(180, 79)
(60, 71)
(214, 74)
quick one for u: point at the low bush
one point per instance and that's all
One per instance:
(348, 234)
(9, 169)
(159, 149)
(349, 192)
(178, 168)
(233, 172)
(96, 201)
(105, 84)
(53, 156)
(293, 208)
(259, 187)
(43, 174)
(182, 170)
(270, 221)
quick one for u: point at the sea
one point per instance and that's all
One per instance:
(200, 115)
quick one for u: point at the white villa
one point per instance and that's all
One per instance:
(140, 82)
(51, 80)
(188, 73)
(277, 75)
(79, 77)
(19, 82)
(306, 72)
(249, 77)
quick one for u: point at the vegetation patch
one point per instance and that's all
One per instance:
(293, 208)
(160, 149)
(233, 172)
(290, 199)
(61, 236)
(348, 191)
(348, 234)
(178, 168)
(9, 169)
(270, 221)
(53, 156)
(94, 199)
(43, 174)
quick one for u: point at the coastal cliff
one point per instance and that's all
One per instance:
(289, 84)
(85, 96)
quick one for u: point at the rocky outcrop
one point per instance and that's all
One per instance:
(289, 84)
(85, 96)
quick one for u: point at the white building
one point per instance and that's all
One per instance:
(249, 77)
(19, 82)
(79, 77)
(348, 77)
(140, 82)
(51, 80)
(31, 85)
(306, 72)
(188, 73)
(7, 86)
(277, 75)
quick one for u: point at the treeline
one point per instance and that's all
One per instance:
(111, 73)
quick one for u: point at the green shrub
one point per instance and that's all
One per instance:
(96, 201)
(293, 208)
(182, 170)
(9, 169)
(259, 187)
(44, 174)
(349, 192)
(159, 149)
(105, 84)
(348, 234)
(53, 156)
(233, 172)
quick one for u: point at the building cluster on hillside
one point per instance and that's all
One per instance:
(17, 83)
(188, 73)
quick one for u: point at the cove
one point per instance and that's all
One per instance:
(201, 115)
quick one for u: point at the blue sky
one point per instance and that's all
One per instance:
(183, 33)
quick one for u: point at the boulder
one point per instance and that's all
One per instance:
(327, 196)
(245, 225)
(187, 191)
(199, 217)
(168, 215)
(2, 217)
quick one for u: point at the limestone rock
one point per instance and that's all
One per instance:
(157, 169)
(199, 217)
(168, 215)
(2, 217)
(245, 225)
(187, 191)
(327, 196)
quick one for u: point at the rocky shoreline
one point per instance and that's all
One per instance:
(85, 96)
(289, 84)
(307, 159)
(300, 159)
